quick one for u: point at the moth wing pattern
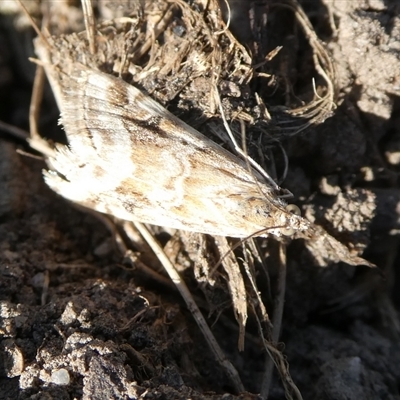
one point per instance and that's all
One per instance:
(130, 157)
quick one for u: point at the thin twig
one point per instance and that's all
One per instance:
(34, 26)
(36, 101)
(249, 269)
(276, 322)
(90, 24)
(192, 306)
(141, 266)
(14, 131)
(34, 139)
(153, 35)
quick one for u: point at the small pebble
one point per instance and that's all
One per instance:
(60, 377)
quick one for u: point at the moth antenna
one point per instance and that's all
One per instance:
(243, 240)
(291, 207)
(286, 160)
(253, 163)
(90, 24)
(43, 38)
(244, 145)
(250, 162)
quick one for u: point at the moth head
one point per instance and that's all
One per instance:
(292, 209)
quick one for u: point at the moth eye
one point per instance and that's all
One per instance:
(287, 231)
(292, 208)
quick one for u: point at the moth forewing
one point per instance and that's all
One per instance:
(133, 159)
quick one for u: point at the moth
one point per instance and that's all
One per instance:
(130, 157)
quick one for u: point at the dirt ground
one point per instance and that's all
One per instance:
(81, 320)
